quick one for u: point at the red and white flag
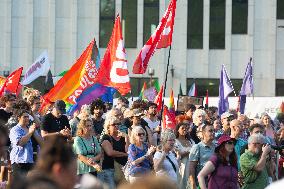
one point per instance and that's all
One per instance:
(169, 121)
(12, 82)
(161, 38)
(159, 99)
(113, 70)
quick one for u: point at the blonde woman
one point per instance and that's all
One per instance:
(139, 155)
(87, 148)
(165, 162)
(115, 144)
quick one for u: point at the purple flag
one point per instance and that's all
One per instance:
(247, 86)
(225, 88)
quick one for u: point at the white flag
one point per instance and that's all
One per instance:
(39, 68)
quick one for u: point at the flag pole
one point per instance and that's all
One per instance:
(165, 83)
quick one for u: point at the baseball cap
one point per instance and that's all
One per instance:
(60, 106)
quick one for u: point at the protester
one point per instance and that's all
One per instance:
(4, 160)
(198, 119)
(269, 130)
(6, 103)
(83, 114)
(189, 111)
(225, 120)
(97, 109)
(165, 162)
(114, 144)
(183, 145)
(221, 167)
(22, 148)
(57, 162)
(153, 122)
(56, 123)
(139, 155)
(136, 120)
(255, 162)
(87, 148)
(200, 153)
(240, 144)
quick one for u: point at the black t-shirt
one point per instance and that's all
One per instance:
(108, 162)
(193, 134)
(98, 126)
(52, 124)
(4, 116)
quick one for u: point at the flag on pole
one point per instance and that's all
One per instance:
(206, 100)
(161, 38)
(172, 101)
(247, 86)
(159, 99)
(113, 70)
(156, 85)
(79, 76)
(225, 88)
(169, 121)
(12, 82)
(193, 90)
(141, 95)
(39, 68)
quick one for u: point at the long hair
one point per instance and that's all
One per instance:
(221, 154)
(187, 136)
(81, 126)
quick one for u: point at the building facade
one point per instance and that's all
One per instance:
(207, 34)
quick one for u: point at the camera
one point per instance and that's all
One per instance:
(278, 148)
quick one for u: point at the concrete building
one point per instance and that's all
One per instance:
(207, 34)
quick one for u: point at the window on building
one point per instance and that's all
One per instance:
(137, 84)
(212, 85)
(129, 20)
(151, 18)
(195, 24)
(217, 24)
(280, 9)
(107, 16)
(239, 16)
(279, 88)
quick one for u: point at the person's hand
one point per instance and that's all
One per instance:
(32, 128)
(158, 129)
(122, 134)
(151, 150)
(266, 149)
(97, 167)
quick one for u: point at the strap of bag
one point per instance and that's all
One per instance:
(173, 165)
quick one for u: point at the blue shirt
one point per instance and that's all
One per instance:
(134, 153)
(20, 154)
(239, 146)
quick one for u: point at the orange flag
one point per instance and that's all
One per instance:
(113, 71)
(77, 76)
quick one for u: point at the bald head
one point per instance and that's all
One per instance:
(236, 128)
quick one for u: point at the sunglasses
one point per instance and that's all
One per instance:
(230, 142)
(115, 124)
(141, 134)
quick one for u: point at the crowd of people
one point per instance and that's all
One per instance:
(124, 146)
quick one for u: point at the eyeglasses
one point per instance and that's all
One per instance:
(140, 134)
(230, 142)
(257, 132)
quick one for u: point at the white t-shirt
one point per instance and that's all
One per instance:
(153, 125)
(167, 168)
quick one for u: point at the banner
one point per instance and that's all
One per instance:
(39, 68)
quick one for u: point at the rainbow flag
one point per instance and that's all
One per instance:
(141, 95)
(171, 101)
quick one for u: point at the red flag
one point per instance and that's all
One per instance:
(113, 70)
(166, 36)
(206, 100)
(12, 82)
(162, 32)
(169, 119)
(159, 99)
